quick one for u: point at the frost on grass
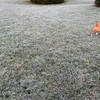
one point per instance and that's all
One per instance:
(49, 72)
(46, 54)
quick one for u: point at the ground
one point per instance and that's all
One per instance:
(47, 52)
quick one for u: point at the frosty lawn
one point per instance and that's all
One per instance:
(47, 53)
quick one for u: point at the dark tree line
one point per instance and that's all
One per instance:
(47, 1)
(97, 2)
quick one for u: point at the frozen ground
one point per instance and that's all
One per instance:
(46, 51)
